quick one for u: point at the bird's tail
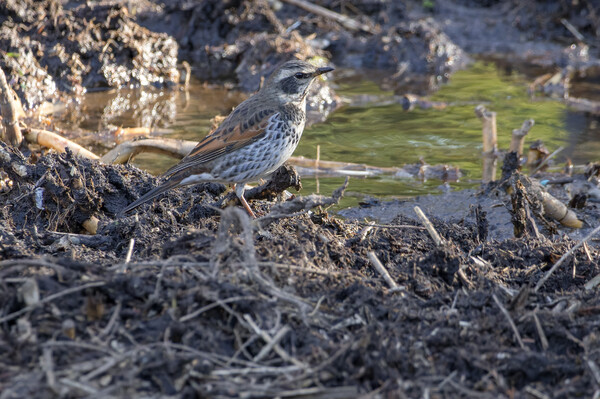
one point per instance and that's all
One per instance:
(150, 195)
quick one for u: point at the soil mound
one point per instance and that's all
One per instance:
(186, 299)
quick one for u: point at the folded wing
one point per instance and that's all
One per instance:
(231, 135)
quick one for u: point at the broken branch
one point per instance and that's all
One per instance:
(11, 111)
(56, 142)
(490, 142)
(126, 151)
(518, 137)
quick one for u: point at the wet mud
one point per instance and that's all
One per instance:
(188, 297)
(53, 51)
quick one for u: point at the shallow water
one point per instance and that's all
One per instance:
(389, 136)
(382, 136)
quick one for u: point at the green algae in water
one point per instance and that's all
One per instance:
(387, 136)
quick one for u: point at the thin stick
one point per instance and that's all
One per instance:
(592, 283)
(583, 104)
(284, 370)
(564, 257)
(573, 30)
(159, 279)
(594, 369)
(50, 298)
(314, 270)
(213, 305)
(126, 151)
(188, 74)
(82, 387)
(110, 363)
(534, 392)
(113, 319)
(336, 165)
(465, 280)
(394, 226)
(510, 321)
(317, 168)
(47, 364)
(430, 229)
(587, 252)
(270, 15)
(79, 345)
(318, 157)
(382, 270)
(324, 12)
(129, 149)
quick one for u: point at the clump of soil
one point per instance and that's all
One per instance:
(185, 299)
(48, 47)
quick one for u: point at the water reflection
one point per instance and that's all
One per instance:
(380, 133)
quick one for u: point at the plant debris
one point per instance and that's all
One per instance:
(185, 299)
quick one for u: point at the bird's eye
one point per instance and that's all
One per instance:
(300, 75)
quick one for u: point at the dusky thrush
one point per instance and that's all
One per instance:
(253, 141)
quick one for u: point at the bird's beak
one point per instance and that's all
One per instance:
(321, 71)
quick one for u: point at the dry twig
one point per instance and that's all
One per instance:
(540, 331)
(126, 151)
(564, 257)
(430, 229)
(383, 271)
(545, 160)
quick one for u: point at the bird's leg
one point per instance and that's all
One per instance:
(239, 191)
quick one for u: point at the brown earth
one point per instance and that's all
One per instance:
(187, 298)
(196, 309)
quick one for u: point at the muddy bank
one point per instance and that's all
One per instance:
(185, 299)
(57, 51)
(531, 33)
(53, 50)
(239, 39)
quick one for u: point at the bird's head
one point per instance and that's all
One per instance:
(291, 81)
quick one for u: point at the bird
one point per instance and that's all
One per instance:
(257, 137)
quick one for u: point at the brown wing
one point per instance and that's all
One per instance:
(232, 134)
